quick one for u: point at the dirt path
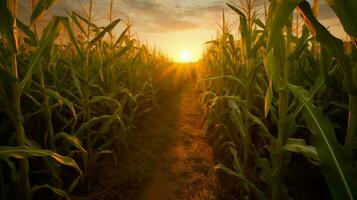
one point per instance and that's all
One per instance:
(184, 170)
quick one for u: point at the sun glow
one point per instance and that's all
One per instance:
(186, 56)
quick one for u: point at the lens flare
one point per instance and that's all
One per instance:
(186, 56)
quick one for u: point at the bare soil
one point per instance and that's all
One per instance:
(184, 169)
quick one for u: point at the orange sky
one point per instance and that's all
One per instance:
(172, 26)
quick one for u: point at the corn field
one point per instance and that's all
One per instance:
(278, 100)
(63, 107)
(280, 91)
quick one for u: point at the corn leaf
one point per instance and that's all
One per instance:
(272, 69)
(303, 40)
(65, 22)
(335, 163)
(105, 30)
(92, 122)
(55, 190)
(300, 146)
(100, 99)
(76, 21)
(241, 177)
(346, 11)
(85, 20)
(122, 51)
(268, 99)
(62, 100)
(6, 26)
(21, 152)
(121, 37)
(239, 12)
(333, 45)
(259, 23)
(278, 17)
(27, 30)
(98, 154)
(40, 9)
(48, 36)
(73, 140)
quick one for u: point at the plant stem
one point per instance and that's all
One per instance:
(283, 103)
(20, 133)
(351, 137)
(47, 113)
(110, 21)
(88, 169)
(49, 133)
(24, 183)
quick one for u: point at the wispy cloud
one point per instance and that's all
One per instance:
(159, 16)
(162, 16)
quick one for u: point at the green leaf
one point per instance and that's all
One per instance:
(242, 178)
(76, 21)
(40, 9)
(121, 37)
(28, 32)
(300, 46)
(62, 100)
(6, 26)
(55, 190)
(259, 23)
(268, 99)
(272, 69)
(236, 161)
(65, 22)
(85, 20)
(259, 43)
(280, 12)
(76, 81)
(122, 51)
(49, 34)
(73, 140)
(235, 9)
(300, 146)
(333, 45)
(259, 122)
(105, 30)
(346, 11)
(21, 152)
(98, 154)
(104, 98)
(92, 122)
(74, 184)
(335, 163)
(115, 118)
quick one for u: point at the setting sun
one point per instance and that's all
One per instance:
(186, 56)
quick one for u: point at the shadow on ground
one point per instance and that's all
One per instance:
(169, 158)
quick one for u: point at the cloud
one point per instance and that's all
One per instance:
(207, 10)
(145, 6)
(157, 16)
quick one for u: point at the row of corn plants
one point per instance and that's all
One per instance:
(280, 89)
(64, 106)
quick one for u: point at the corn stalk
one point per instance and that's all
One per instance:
(9, 31)
(47, 116)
